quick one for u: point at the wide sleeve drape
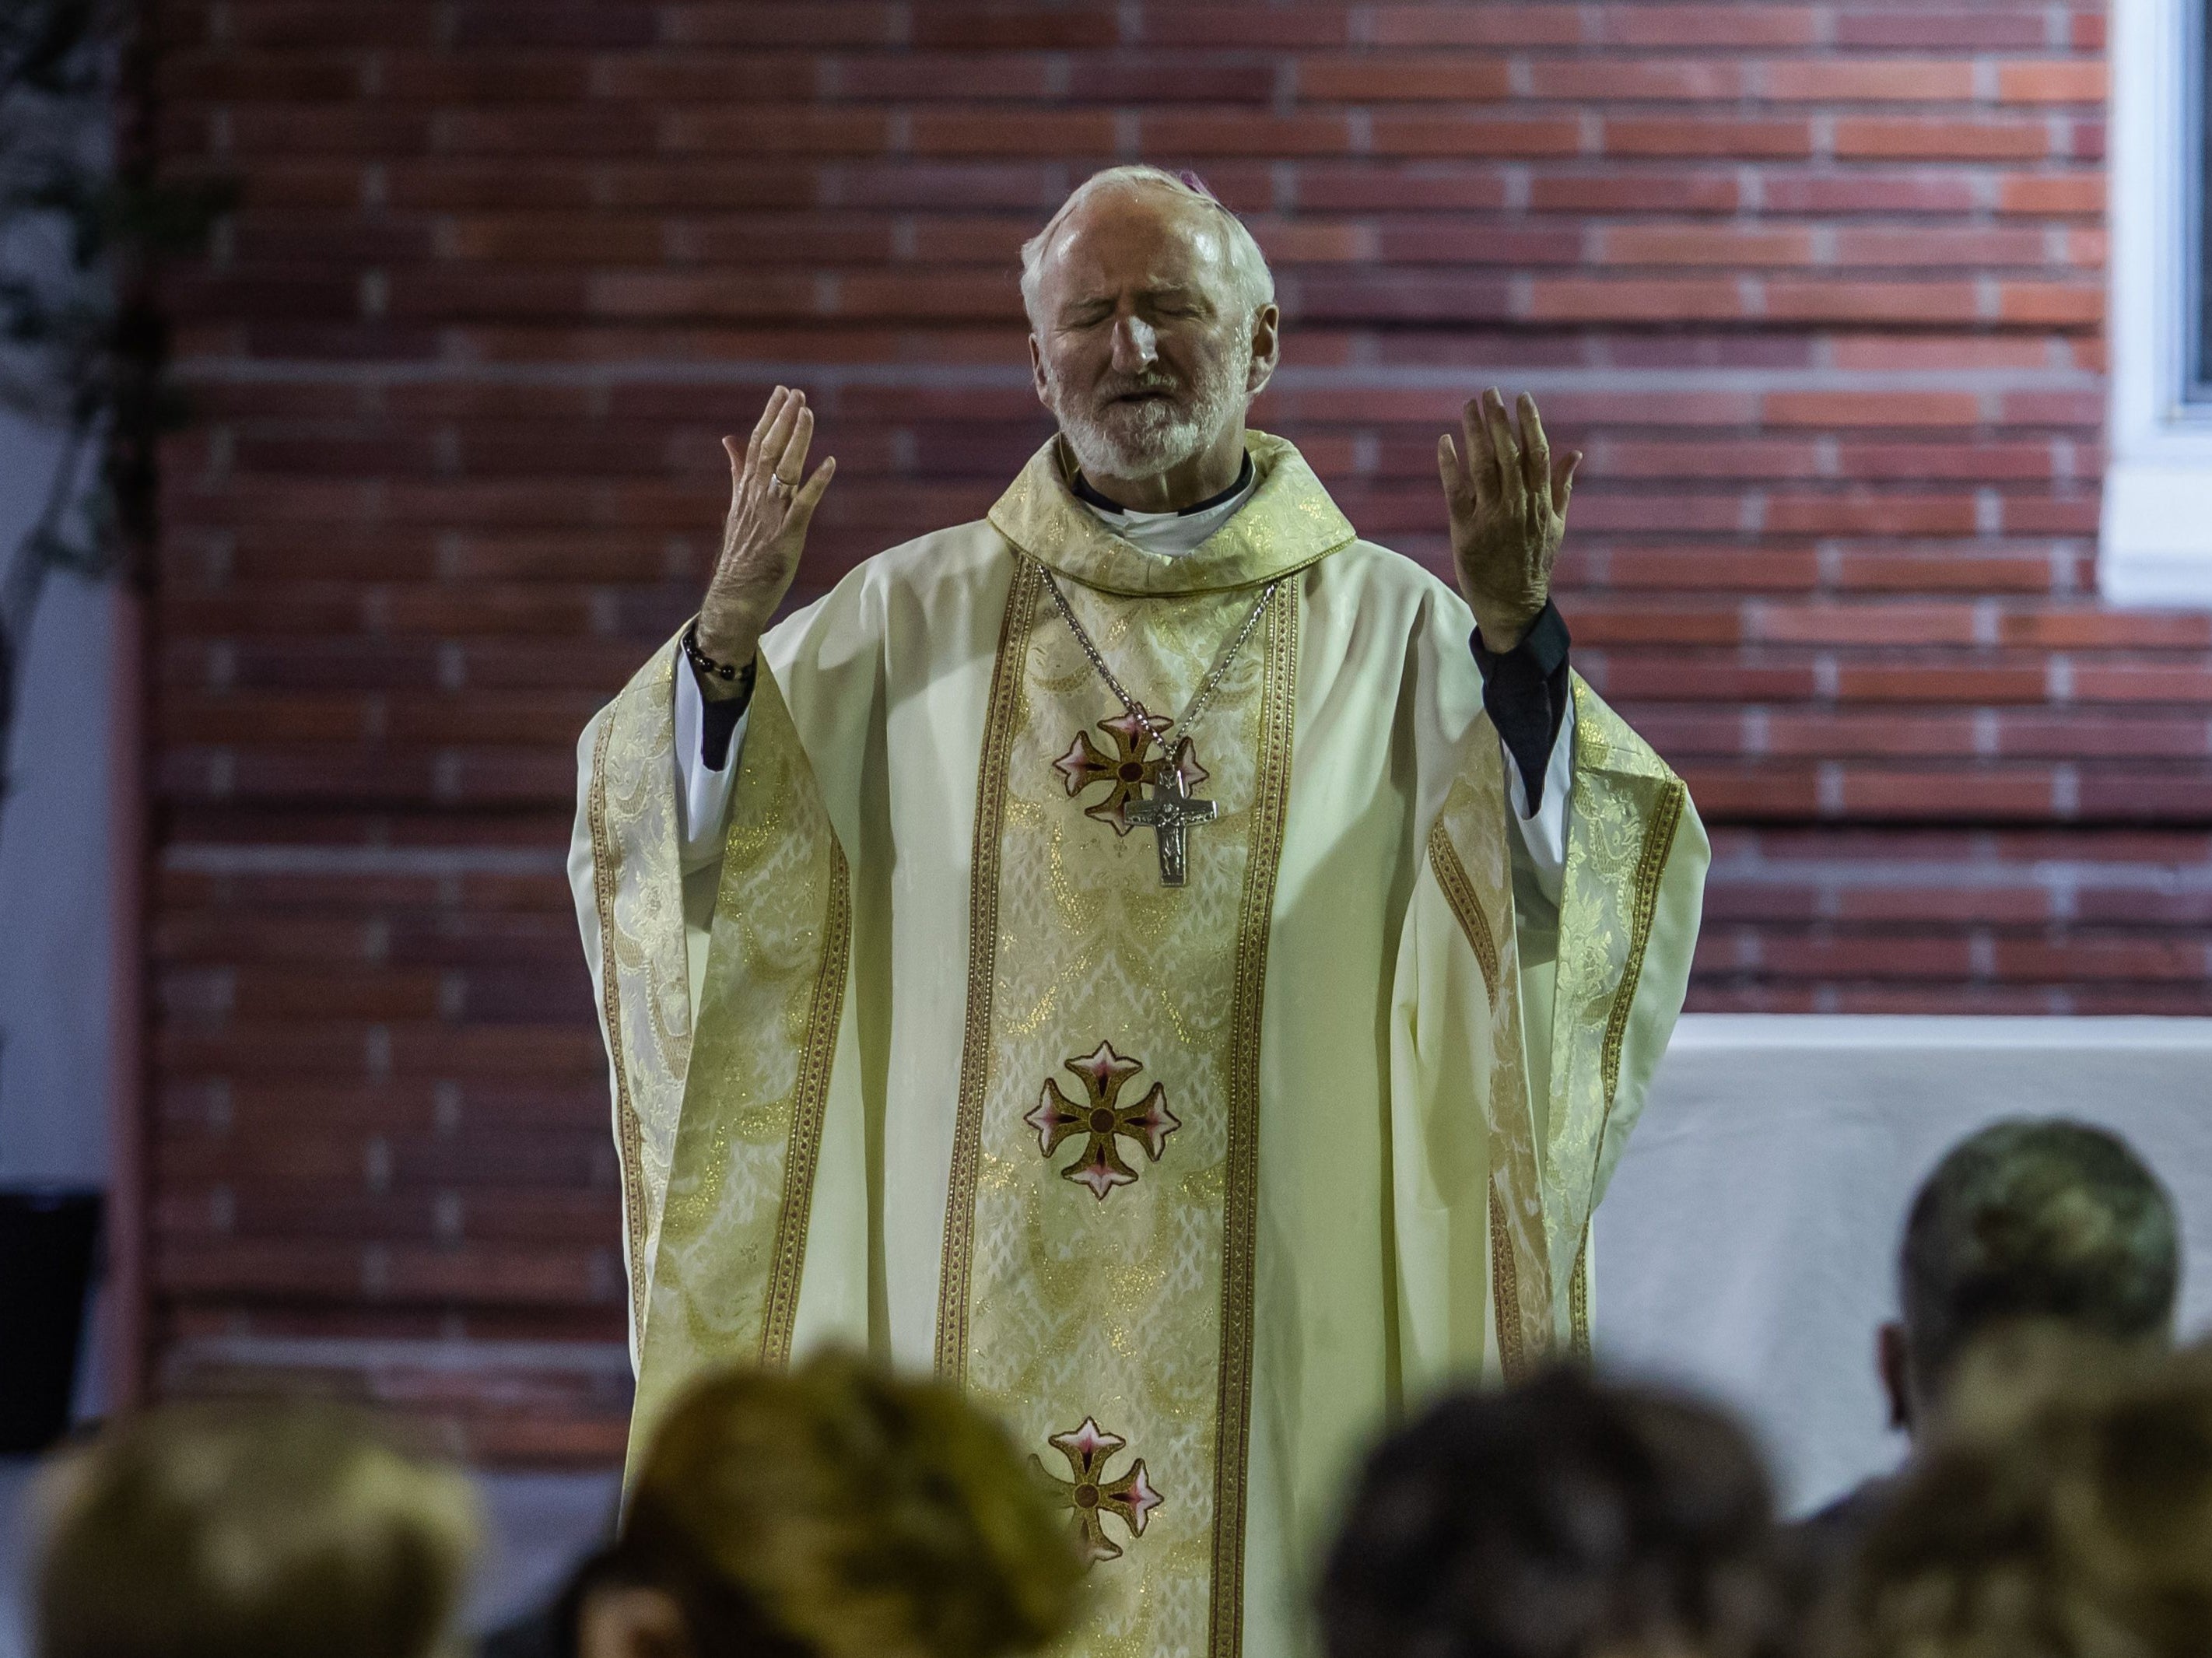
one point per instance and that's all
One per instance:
(1521, 1045)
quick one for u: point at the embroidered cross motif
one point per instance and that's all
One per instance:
(1091, 1495)
(1132, 769)
(1056, 1117)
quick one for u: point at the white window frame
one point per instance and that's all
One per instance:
(2155, 544)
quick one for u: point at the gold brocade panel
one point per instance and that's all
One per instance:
(1627, 808)
(1468, 853)
(1099, 1259)
(645, 1005)
(732, 1247)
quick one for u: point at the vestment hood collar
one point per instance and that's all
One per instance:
(1288, 523)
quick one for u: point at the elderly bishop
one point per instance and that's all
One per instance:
(1175, 968)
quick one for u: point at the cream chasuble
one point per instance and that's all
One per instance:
(1194, 1187)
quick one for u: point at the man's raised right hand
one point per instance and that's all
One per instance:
(766, 530)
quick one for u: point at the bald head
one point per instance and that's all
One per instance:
(1153, 327)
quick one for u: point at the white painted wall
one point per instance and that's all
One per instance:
(57, 923)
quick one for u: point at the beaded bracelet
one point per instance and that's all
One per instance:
(706, 664)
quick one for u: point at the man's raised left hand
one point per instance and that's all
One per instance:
(1509, 514)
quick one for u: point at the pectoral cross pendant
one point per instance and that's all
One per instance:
(1169, 812)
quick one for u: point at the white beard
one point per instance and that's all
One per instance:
(1143, 439)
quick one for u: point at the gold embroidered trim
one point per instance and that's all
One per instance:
(1505, 1270)
(1289, 523)
(809, 1099)
(1658, 842)
(630, 1136)
(1650, 866)
(1000, 721)
(1505, 1296)
(1466, 904)
(1233, 1420)
(1578, 1326)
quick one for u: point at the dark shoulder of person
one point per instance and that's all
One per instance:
(540, 1634)
(548, 1633)
(1822, 1544)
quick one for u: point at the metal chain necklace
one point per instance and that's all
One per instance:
(1171, 810)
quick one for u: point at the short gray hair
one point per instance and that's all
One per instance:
(2038, 1218)
(1255, 283)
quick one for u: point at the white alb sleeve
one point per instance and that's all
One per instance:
(1543, 832)
(702, 793)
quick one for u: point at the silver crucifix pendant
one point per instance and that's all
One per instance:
(1168, 812)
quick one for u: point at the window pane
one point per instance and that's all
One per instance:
(2199, 387)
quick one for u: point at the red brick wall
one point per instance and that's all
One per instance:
(1819, 286)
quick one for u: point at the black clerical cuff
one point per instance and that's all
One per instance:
(1525, 692)
(719, 723)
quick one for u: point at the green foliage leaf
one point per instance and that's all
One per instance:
(80, 237)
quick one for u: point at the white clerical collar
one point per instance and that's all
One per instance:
(1172, 534)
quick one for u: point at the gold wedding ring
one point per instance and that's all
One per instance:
(783, 489)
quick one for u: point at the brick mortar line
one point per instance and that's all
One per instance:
(430, 1353)
(985, 377)
(205, 859)
(1874, 872)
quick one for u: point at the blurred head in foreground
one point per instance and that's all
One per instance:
(290, 1531)
(2065, 1511)
(1562, 1519)
(831, 1512)
(2028, 1220)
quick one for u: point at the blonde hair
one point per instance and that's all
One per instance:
(290, 1531)
(849, 1514)
(2066, 1513)
(1256, 283)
